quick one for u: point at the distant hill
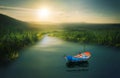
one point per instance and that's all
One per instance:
(89, 26)
(9, 23)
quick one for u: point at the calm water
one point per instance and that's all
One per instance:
(45, 60)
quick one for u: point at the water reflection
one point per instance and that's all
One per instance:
(49, 42)
(80, 66)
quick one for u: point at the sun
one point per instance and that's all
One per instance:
(43, 13)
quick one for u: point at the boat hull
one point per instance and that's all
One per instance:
(79, 57)
(75, 59)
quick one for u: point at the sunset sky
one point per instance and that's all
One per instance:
(90, 11)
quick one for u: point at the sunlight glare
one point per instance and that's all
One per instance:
(43, 13)
(49, 41)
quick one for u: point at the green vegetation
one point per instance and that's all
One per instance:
(15, 35)
(12, 42)
(109, 36)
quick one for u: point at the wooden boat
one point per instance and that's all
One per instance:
(79, 57)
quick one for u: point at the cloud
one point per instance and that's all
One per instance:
(15, 8)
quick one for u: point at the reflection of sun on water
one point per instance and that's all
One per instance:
(49, 41)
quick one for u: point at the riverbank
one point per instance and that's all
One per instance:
(12, 42)
(102, 37)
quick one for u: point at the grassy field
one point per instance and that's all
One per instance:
(105, 34)
(11, 42)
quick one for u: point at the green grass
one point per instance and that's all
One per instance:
(104, 37)
(11, 43)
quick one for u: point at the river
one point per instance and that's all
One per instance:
(45, 59)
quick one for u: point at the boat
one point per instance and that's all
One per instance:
(79, 57)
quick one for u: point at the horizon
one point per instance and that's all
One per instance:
(49, 23)
(62, 11)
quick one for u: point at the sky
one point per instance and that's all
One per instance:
(88, 11)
